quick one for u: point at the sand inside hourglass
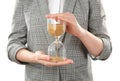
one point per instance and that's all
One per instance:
(56, 59)
(56, 29)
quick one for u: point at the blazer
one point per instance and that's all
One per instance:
(29, 30)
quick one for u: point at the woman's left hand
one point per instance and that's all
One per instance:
(72, 25)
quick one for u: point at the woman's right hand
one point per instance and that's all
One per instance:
(39, 57)
(44, 59)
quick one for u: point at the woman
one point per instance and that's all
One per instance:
(86, 35)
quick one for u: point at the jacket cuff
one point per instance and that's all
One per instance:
(13, 53)
(107, 49)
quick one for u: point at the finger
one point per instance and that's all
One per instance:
(54, 15)
(43, 62)
(64, 17)
(42, 56)
(58, 14)
(46, 63)
(52, 64)
(66, 62)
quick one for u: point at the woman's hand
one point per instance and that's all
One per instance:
(44, 59)
(71, 23)
(39, 57)
(89, 40)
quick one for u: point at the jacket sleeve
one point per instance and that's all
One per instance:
(17, 37)
(98, 28)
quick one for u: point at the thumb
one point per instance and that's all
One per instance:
(42, 56)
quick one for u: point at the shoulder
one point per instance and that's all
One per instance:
(24, 1)
(98, 1)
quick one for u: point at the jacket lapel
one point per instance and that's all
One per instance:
(44, 10)
(68, 7)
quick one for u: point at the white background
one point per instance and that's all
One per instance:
(108, 70)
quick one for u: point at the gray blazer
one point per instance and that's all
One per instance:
(29, 31)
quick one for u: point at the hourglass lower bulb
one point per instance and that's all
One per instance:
(56, 49)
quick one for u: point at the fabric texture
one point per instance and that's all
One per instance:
(56, 6)
(29, 30)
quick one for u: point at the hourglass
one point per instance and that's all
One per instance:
(56, 49)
